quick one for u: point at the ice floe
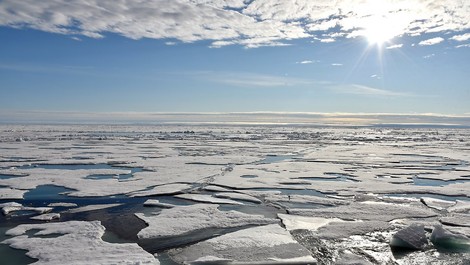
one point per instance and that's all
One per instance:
(74, 242)
(157, 203)
(182, 220)
(270, 244)
(411, 237)
(206, 198)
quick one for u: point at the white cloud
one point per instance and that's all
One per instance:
(462, 37)
(252, 23)
(395, 46)
(336, 64)
(252, 80)
(429, 56)
(432, 41)
(366, 90)
(463, 46)
(306, 62)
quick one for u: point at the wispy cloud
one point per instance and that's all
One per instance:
(253, 80)
(463, 46)
(336, 64)
(307, 62)
(462, 37)
(432, 41)
(251, 23)
(429, 56)
(367, 91)
(395, 46)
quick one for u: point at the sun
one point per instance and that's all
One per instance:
(382, 23)
(379, 30)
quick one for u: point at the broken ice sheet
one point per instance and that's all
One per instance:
(181, 220)
(443, 238)
(411, 237)
(74, 242)
(269, 244)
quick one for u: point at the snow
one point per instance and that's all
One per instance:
(437, 204)
(161, 190)
(269, 244)
(182, 220)
(93, 207)
(46, 217)
(74, 242)
(11, 194)
(206, 198)
(8, 208)
(237, 196)
(368, 211)
(293, 222)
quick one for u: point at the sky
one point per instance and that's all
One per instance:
(233, 56)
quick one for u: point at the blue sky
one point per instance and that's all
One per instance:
(235, 56)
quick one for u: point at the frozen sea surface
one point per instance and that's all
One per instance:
(233, 195)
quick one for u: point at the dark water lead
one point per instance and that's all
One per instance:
(9, 255)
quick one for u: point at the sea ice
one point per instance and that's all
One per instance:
(62, 204)
(293, 222)
(437, 204)
(157, 203)
(237, 196)
(11, 194)
(378, 211)
(8, 208)
(46, 217)
(443, 238)
(75, 243)
(92, 207)
(206, 198)
(182, 220)
(161, 190)
(411, 237)
(269, 244)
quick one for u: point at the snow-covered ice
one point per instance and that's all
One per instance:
(74, 242)
(270, 244)
(182, 220)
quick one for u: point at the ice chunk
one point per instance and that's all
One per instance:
(62, 204)
(378, 211)
(74, 243)
(181, 220)
(46, 217)
(460, 207)
(11, 194)
(206, 198)
(456, 219)
(92, 207)
(412, 237)
(10, 207)
(293, 222)
(443, 238)
(437, 203)
(237, 196)
(269, 244)
(157, 203)
(162, 190)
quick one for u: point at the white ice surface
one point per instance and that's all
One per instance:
(237, 196)
(75, 243)
(207, 198)
(62, 204)
(92, 207)
(181, 220)
(46, 217)
(161, 190)
(11, 194)
(293, 222)
(258, 245)
(157, 203)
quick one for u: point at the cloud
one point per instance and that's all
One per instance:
(462, 37)
(463, 46)
(395, 46)
(252, 80)
(234, 118)
(251, 23)
(366, 90)
(336, 64)
(429, 56)
(432, 41)
(306, 62)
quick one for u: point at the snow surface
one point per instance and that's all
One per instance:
(206, 198)
(269, 244)
(182, 220)
(74, 242)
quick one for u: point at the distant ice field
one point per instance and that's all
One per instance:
(188, 194)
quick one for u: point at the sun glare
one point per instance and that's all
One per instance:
(382, 24)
